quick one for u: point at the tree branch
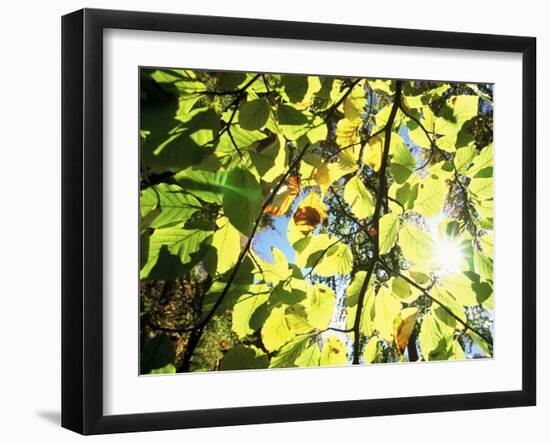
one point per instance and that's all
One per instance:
(235, 92)
(198, 330)
(343, 208)
(486, 339)
(388, 128)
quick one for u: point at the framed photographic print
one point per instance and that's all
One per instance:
(270, 221)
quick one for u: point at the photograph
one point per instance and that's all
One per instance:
(300, 220)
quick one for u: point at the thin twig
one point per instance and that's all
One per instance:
(434, 145)
(333, 108)
(488, 340)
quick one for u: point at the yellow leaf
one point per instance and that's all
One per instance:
(296, 319)
(358, 197)
(417, 246)
(386, 309)
(347, 132)
(372, 154)
(275, 331)
(371, 350)
(334, 352)
(354, 104)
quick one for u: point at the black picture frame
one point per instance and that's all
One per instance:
(82, 219)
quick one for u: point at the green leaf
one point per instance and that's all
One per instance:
(280, 263)
(484, 266)
(485, 209)
(275, 272)
(431, 196)
(236, 291)
(173, 145)
(383, 87)
(348, 136)
(225, 250)
(389, 226)
(254, 114)
(328, 94)
(483, 163)
(328, 256)
(354, 288)
(483, 290)
(168, 369)
(250, 311)
(460, 286)
(334, 352)
(402, 164)
(416, 100)
(403, 290)
(417, 246)
(445, 298)
(269, 159)
(487, 242)
(174, 206)
(386, 307)
(316, 131)
(289, 291)
(366, 324)
(433, 342)
(371, 350)
(300, 88)
(174, 251)
(206, 185)
(405, 194)
(242, 199)
(310, 357)
(337, 260)
(319, 305)
(446, 127)
(419, 276)
(456, 111)
(228, 81)
(293, 122)
(158, 355)
(455, 351)
(482, 344)
(359, 198)
(184, 80)
(296, 319)
(276, 332)
(354, 104)
(463, 158)
(243, 357)
(482, 188)
(294, 350)
(294, 235)
(240, 138)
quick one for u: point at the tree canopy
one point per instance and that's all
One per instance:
(301, 220)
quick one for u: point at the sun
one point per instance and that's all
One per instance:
(448, 255)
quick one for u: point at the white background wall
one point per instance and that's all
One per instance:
(30, 217)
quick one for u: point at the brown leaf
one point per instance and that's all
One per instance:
(404, 326)
(284, 198)
(309, 214)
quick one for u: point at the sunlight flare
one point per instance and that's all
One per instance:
(448, 255)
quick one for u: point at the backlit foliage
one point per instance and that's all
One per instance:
(313, 221)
